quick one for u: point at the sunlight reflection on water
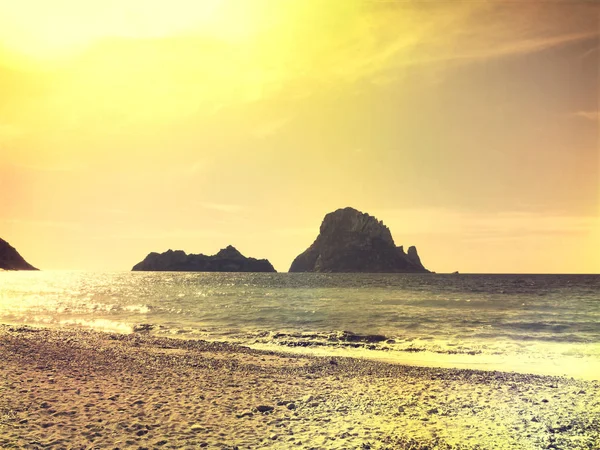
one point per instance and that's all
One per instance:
(538, 321)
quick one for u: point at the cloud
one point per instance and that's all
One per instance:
(524, 46)
(474, 226)
(594, 116)
(223, 207)
(50, 167)
(442, 32)
(296, 231)
(529, 226)
(10, 131)
(62, 225)
(195, 168)
(269, 128)
(170, 234)
(110, 211)
(178, 64)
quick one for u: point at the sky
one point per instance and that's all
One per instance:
(470, 128)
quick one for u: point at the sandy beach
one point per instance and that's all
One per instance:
(83, 389)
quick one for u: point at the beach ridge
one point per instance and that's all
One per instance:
(88, 389)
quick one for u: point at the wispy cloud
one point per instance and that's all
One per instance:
(170, 234)
(111, 211)
(525, 46)
(43, 223)
(222, 207)
(517, 226)
(594, 116)
(195, 168)
(297, 231)
(291, 50)
(463, 32)
(269, 128)
(49, 168)
(9, 131)
(507, 225)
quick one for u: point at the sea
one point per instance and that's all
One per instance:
(539, 324)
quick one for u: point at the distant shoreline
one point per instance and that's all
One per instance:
(300, 273)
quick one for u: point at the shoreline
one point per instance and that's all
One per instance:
(360, 346)
(485, 363)
(81, 389)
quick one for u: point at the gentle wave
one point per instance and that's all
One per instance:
(99, 325)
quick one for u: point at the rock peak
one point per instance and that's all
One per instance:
(352, 241)
(229, 252)
(413, 256)
(350, 220)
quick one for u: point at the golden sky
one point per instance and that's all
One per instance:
(470, 128)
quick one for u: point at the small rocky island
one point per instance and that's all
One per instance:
(228, 259)
(10, 259)
(352, 241)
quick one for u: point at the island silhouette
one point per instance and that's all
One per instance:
(228, 259)
(352, 241)
(349, 241)
(10, 259)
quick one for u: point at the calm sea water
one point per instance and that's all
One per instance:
(529, 323)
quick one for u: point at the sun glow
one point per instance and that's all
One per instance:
(109, 66)
(118, 60)
(49, 30)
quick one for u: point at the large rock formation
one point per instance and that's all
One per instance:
(351, 241)
(10, 258)
(226, 260)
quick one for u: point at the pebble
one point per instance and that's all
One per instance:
(264, 408)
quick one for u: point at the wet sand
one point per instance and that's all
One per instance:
(83, 389)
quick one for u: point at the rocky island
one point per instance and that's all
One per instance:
(10, 259)
(352, 241)
(228, 259)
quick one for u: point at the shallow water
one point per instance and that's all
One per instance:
(529, 323)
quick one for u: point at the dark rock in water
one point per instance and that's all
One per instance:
(10, 258)
(351, 241)
(226, 260)
(143, 328)
(348, 336)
